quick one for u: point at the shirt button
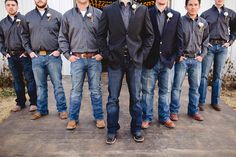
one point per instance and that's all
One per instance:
(161, 42)
(160, 52)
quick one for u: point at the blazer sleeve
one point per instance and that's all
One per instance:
(102, 35)
(147, 35)
(179, 37)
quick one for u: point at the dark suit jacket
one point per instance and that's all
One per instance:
(168, 45)
(138, 37)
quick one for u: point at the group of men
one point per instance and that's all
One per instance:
(145, 45)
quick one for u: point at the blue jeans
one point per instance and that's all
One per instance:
(149, 77)
(217, 56)
(133, 79)
(42, 67)
(79, 68)
(22, 68)
(193, 68)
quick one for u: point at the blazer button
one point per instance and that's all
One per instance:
(161, 42)
(160, 52)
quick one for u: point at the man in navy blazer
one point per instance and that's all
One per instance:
(127, 25)
(167, 46)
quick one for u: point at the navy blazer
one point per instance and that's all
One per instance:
(138, 37)
(168, 46)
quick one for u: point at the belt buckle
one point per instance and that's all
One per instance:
(43, 53)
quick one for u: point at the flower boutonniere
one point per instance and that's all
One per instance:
(18, 21)
(90, 16)
(134, 7)
(49, 16)
(226, 14)
(169, 16)
(200, 25)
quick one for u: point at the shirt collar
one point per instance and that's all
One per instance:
(166, 10)
(214, 7)
(15, 17)
(188, 17)
(130, 2)
(78, 11)
(46, 9)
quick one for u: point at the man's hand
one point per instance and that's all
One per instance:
(33, 55)
(73, 58)
(22, 55)
(226, 45)
(199, 58)
(210, 45)
(98, 57)
(182, 58)
(55, 53)
(8, 56)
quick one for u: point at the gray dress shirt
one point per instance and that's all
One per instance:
(195, 35)
(10, 34)
(161, 18)
(42, 31)
(125, 13)
(78, 33)
(221, 24)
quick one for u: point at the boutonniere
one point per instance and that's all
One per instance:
(226, 14)
(169, 16)
(200, 25)
(134, 7)
(90, 16)
(49, 16)
(18, 21)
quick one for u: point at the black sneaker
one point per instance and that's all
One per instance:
(138, 137)
(111, 139)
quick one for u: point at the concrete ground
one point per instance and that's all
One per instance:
(47, 137)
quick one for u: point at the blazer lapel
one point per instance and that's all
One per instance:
(166, 22)
(118, 14)
(153, 15)
(132, 16)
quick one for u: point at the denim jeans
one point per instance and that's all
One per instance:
(21, 68)
(149, 77)
(79, 68)
(193, 68)
(217, 56)
(42, 67)
(133, 79)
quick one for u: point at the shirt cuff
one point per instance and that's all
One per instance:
(4, 53)
(28, 50)
(231, 42)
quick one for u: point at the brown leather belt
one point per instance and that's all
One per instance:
(43, 52)
(190, 55)
(84, 55)
(218, 41)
